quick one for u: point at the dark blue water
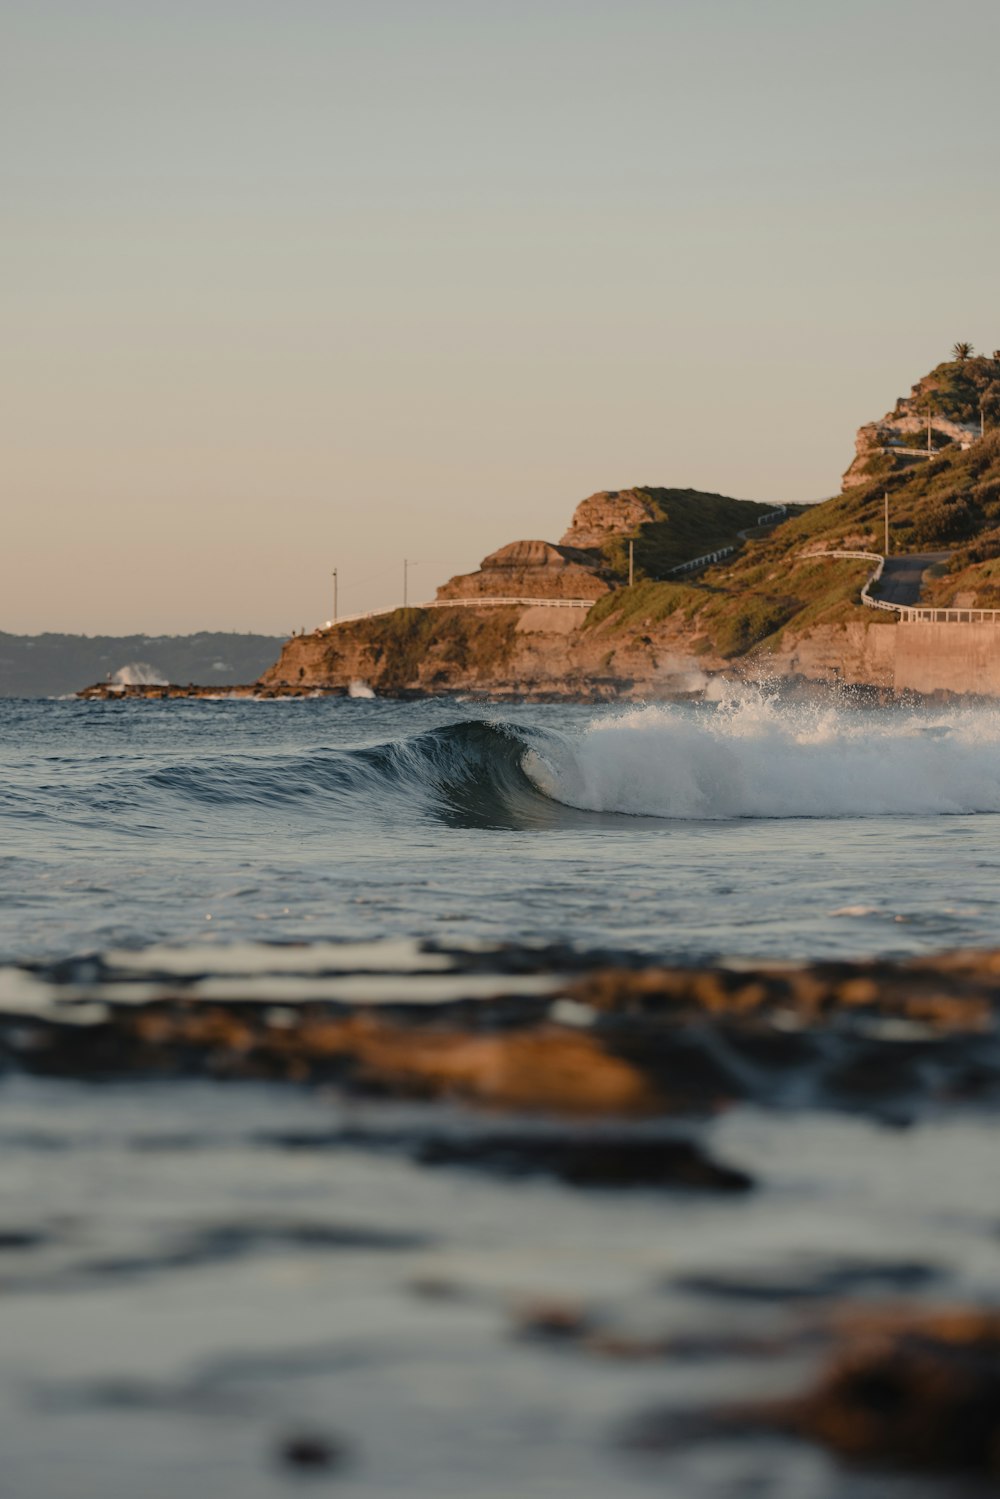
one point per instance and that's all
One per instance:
(744, 827)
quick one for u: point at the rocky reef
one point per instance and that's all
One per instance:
(599, 1076)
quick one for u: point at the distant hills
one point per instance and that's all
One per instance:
(52, 665)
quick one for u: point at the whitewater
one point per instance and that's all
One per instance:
(754, 756)
(749, 826)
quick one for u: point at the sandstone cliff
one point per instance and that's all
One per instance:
(532, 569)
(502, 651)
(610, 512)
(775, 604)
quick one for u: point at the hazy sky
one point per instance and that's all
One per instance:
(296, 284)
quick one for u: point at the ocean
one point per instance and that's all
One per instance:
(744, 827)
(229, 1283)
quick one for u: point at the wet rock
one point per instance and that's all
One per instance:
(21, 1238)
(623, 1040)
(312, 1452)
(551, 1320)
(589, 1160)
(923, 1394)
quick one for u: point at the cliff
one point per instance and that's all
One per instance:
(530, 649)
(532, 569)
(506, 652)
(775, 604)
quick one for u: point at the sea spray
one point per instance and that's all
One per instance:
(753, 756)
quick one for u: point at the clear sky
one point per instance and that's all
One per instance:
(296, 284)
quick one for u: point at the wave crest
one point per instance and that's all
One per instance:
(755, 757)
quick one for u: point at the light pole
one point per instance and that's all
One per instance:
(885, 500)
(335, 595)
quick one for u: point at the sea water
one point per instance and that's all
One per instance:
(192, 1271)
(743, 827)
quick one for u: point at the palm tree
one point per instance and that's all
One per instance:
(961, 351)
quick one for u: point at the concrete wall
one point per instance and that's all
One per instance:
(947, 657)
(916, 657)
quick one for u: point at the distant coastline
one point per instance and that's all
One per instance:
(58, 664)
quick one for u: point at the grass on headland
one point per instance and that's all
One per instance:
(402, 643)
(691, 523)
(642, 604)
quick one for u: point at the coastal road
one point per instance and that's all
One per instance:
(902, 577)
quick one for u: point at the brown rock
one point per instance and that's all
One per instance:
(923, 1394)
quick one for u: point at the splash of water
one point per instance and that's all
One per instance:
(754, 756)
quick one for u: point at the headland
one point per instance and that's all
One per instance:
(652, 592)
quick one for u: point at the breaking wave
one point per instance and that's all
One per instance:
(746, 758)
(755, 757)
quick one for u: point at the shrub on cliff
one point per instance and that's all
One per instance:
(645, 603)
(412, 647)
(749, 622)
(691, 524)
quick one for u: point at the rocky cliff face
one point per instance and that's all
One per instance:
(532, 569)
(513, 652)
(610, 512)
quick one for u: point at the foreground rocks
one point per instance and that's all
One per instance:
(901, 1389)
(599, 1074)
(525, 1031)
(920, 1392)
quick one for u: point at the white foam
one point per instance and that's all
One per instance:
(752, 756)
(138, 674)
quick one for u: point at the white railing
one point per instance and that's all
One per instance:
(696, 562)
(768, 519)
(912, 613)
(473, 603)
(866, 597)
(949, 616)
(772, 516)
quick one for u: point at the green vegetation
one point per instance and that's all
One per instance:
(750, 601)
(643, 604)
(410, 643)
(748, 623)
(690, 523)
(957, 388)
(779, 587)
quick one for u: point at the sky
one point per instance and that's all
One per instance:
(296, 285)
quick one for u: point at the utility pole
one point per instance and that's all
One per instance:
(631, 562)
(406, 579)
(885, 498)
(335, 595)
